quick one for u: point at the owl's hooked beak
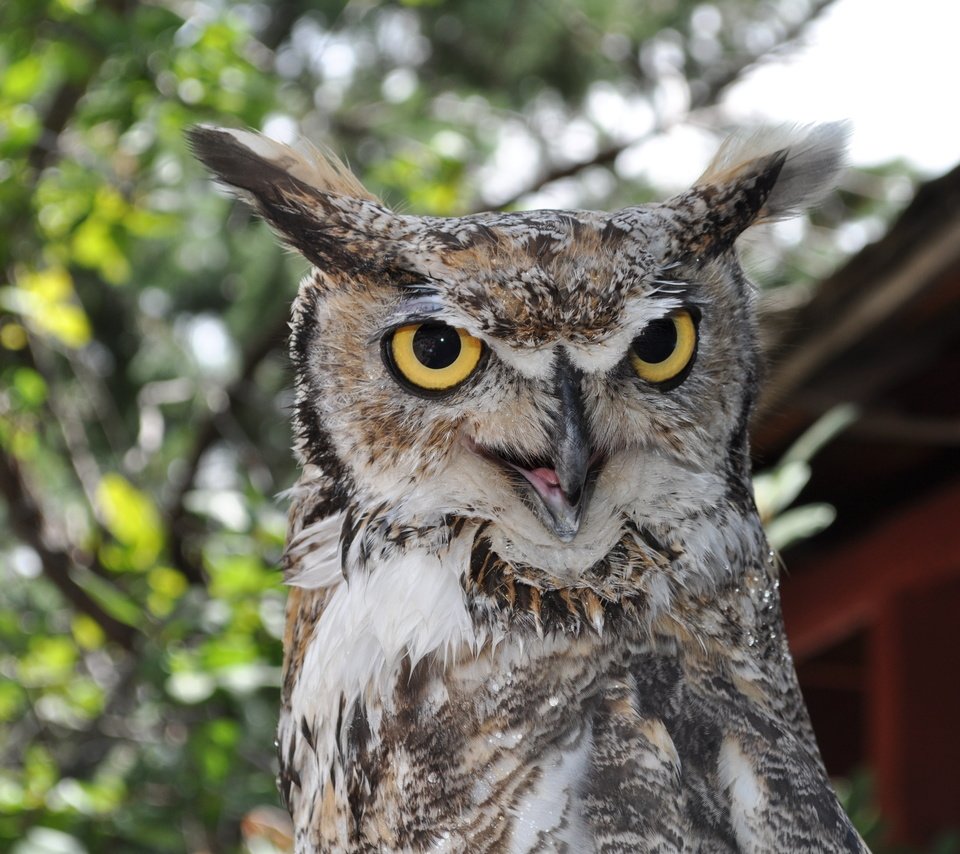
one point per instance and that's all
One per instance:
(565, 497)
(557, 489)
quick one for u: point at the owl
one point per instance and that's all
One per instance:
(531, 604)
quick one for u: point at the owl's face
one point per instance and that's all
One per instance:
(556, 374)
(553, 373)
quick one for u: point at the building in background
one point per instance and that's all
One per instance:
(872, 605)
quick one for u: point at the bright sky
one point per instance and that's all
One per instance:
(891, 67)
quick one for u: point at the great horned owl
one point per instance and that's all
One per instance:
(532, 607)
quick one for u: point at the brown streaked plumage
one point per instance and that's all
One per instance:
(532, 607)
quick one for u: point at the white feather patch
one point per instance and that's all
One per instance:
(409, 606)
(315, 552)
(552, 808)
(747, 798)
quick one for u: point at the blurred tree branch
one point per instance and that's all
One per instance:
(206, 433)
(64, 102)
(76, 444)
(704, 96)
(27, 522)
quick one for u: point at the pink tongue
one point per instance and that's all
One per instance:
(549, 476)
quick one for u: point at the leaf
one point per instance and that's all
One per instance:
(13, 336)
(215, 746)
(95, 246)
(801, 523)
(48, 661)
(191, 688)
(117, 604)
(47, 840)
(30, 387)
(132, 518)
(825, 428)
(12, 699)
(167, 585)
(21, 80)
(85, 697)
(47, 301)
(238, 576)
(11, 792)
(777, 489)
(87, 632)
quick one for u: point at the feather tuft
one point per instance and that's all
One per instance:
(813, 156)
(245, 160)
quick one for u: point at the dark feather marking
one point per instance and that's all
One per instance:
(731, 208)
(508, 590)
(289, 776)
(528, 599)
(363, 550)
(348, 530)
(493, 572)
(522, 597)
(361, 766)
(486, 235)
(337, 727)
(320, 510)
(312, 440)
(307, 733)
(456, 526)
(653, 543)
(613, 234)
(480, 558)
(541, 246)
(662, 690)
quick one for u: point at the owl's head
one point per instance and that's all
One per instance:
(556, 374)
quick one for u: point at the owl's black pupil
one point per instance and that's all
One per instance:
(436, 345)
(657, 342)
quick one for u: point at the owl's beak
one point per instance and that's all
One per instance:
(557, 489)
(564, 496)
(563, 508)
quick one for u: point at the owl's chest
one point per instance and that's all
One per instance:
(613, 744)
(492, 755)
(523, 750)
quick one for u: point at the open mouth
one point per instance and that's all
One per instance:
(557, 491)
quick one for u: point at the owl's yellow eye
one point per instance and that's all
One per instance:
(432, 357)
(665, 349)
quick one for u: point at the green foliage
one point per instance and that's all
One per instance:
(144, 388)
(777, 488)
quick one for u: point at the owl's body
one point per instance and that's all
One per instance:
(532, 607)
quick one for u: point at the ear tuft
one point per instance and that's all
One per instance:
(812, 156)
(249, 161)
(311, 200)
